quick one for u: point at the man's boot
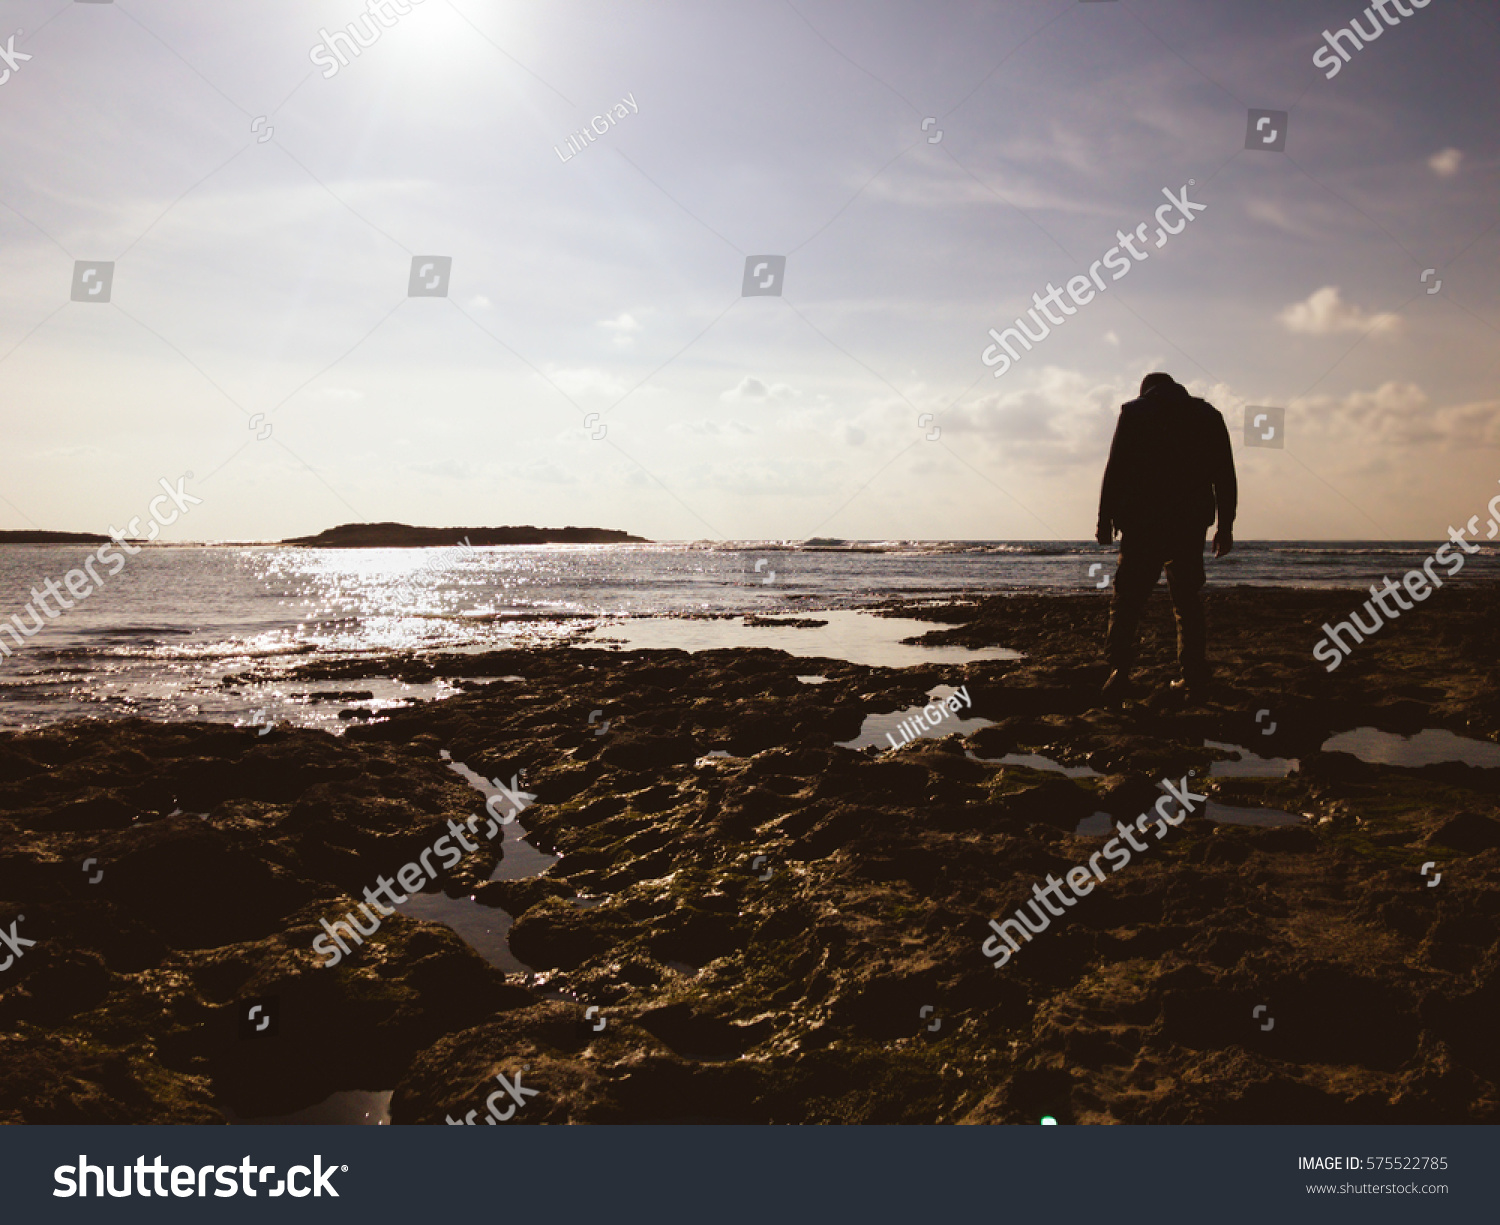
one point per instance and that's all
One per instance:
(1193, 688)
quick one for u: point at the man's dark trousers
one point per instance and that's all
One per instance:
(1143, 556)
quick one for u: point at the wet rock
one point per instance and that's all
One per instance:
(99, 811)
(1341, 768)
(516, 897)
(554, 935)
(195, 886)
(16, 766)
(697, 1035)
(1468, 831)
(1293, 838)
(53, 1078)
(642, 751)
(1057, 802)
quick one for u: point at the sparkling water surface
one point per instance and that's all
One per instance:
(159, 637)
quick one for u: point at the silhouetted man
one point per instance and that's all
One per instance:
(1170, 470)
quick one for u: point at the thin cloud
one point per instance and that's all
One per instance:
(1064, 420)
(1445, 162)
(1398, 414)
(1273, 213)
(623, 327)
(1325, 313)
(752, 389)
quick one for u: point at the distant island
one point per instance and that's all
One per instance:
(404, 536)
(39, 537)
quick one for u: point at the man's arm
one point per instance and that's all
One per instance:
(1109, 492)
(1226, 486)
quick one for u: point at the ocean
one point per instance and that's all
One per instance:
(161, 636)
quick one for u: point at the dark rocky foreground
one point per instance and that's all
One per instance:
(795, 987)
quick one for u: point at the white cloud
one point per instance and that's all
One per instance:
(708, 428)
(624, 327)
(1065, 419)
(577, 382)
(1325, 313)
(546, 473)
(748, 389)
(781, 477)
(1111, 339)
(1402, 415)
(1445, 162)
(453, 469)
(936, 184)
(1274, 214)
(82, 451)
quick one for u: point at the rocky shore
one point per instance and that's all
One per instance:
(773, 928)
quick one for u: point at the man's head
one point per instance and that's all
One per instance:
(1157, 379)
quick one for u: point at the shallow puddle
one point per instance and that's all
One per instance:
(1228, 814)
(521, 859)
(1429, 747)
(1248, 764)
(486, 929)
(1037, 762)
(883, 730)
(855, 637)
(1101, 824)
(1098, 825)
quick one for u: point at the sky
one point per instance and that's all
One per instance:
(591, 355)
